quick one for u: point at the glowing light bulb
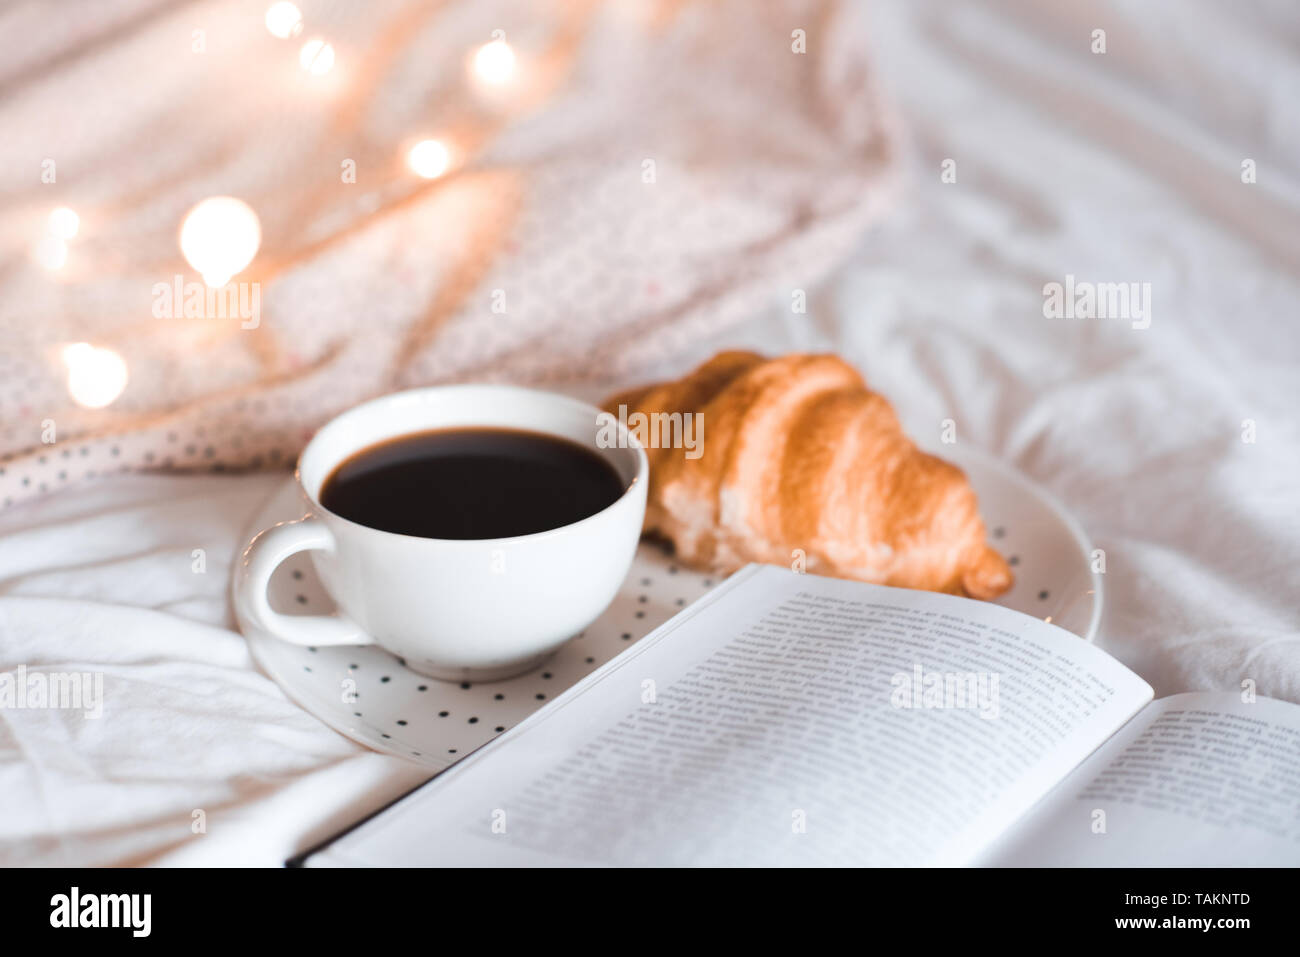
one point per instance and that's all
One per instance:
(283, 20)
(494, 63)
(63, 222)
(316, 57)
(96, 376)
(50, 252)
(219, 237)
(429, 158)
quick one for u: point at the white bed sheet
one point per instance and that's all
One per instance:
(1116, 167)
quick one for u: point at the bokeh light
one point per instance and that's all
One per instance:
(96, 376)
(63, 222)
(283, 20)
(494, 63)
(219, 237)
(316, 57)
(429, 158)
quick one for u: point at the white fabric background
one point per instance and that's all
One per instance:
(1122, 167)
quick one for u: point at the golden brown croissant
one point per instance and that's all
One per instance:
(797, 455)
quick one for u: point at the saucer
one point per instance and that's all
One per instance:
(368, 695)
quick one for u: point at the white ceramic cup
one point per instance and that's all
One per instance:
(455, 609)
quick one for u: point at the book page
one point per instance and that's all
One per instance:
(1201, 779)
(783, 719)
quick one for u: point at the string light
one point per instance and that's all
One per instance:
(50, 252)
(219, 237)
(494, 63)
(63, 223)
(429, 159)
(316, 57)
(283, 20)
(96, 376)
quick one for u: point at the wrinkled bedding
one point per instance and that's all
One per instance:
(1176, 445)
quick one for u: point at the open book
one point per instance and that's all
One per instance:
(794, 720)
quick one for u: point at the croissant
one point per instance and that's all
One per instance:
(796, 455)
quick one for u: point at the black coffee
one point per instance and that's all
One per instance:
(471, 483)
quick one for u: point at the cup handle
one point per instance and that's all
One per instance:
(262, 556)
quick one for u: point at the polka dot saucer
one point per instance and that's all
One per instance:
(368, 694)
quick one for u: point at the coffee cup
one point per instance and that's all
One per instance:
(452, 608)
